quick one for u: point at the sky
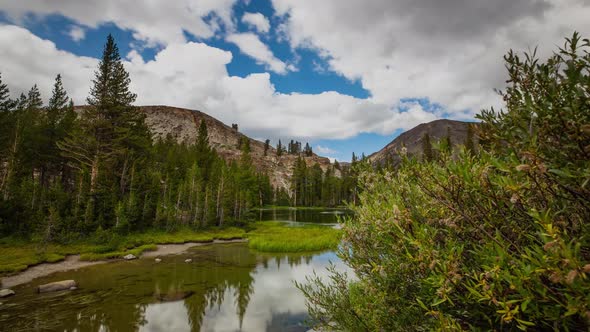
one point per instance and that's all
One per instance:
(346, 76)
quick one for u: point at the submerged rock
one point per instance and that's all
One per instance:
(173, 296)
(129, 257)
(57, 286)
(188, 260)
(158, 260)
(6, 293)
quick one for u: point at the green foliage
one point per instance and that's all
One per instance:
(100, 172)
(492, 240)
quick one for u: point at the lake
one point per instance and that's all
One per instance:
(306, 215)
(226, 287)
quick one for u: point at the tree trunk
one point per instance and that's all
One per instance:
(94, 173)
(11, 162)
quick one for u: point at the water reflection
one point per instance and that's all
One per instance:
(317, 216)
(226, 288)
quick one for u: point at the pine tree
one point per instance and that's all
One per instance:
(446, 143)
(279, 149)
(469, 144)
(59, 97)
(54, 128)
(112, 133)
(427, 153)
(6, 104)
(266, 146)
(34, 101)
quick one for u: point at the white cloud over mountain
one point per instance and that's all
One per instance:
(173, 79)
(449, 53)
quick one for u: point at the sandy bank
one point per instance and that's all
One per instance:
(73, 262)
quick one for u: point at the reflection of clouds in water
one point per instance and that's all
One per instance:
(166, 317)
(274, 294)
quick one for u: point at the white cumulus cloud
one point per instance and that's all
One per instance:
(172, 78)
(253, 47)
(256, 20)
(447, 51)
(324, 150)
(77, 33)
(154, 22)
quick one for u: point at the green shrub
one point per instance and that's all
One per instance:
(493, 241)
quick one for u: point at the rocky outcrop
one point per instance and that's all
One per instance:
(182, 124)
(412, 139)
(57, 286)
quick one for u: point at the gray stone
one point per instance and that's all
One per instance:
(188, 260)
(57, 286)
(6, 292)
(158, 260)
(73, 288)
(129, 257)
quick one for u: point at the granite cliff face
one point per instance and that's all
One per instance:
(412, 139)
(183, 124)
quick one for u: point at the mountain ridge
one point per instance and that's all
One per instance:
(183, 123)
(412, 139)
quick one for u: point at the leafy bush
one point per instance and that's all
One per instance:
(493, 241)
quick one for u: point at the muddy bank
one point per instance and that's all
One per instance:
(73, 262)
(171, 249)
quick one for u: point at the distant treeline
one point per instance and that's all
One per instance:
(66, 172)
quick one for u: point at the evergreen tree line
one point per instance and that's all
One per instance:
(65, 171)
(294, 148)
(311, 186)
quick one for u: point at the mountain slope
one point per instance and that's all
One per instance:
(412, 139)
(183, 124)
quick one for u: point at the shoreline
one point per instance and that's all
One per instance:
(73, 262)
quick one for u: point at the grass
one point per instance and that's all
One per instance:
(17, 255)
(279, 237)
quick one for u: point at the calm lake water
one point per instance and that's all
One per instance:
(226, 287)
(317, 216)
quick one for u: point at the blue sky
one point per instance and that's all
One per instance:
(343, 75)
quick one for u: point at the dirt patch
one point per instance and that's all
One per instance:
(73, 262)
(172, 249)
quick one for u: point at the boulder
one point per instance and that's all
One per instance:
(188, 260)
(158, 260)
(6, 293)
(129, 257)
(57, 286)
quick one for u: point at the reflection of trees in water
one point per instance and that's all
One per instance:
(116, 296)
(232, 269)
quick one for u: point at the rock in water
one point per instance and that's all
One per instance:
(157, 260)
(129, 257)
(188, 260)
(6, 293)
(173, 296)
(57, 286)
